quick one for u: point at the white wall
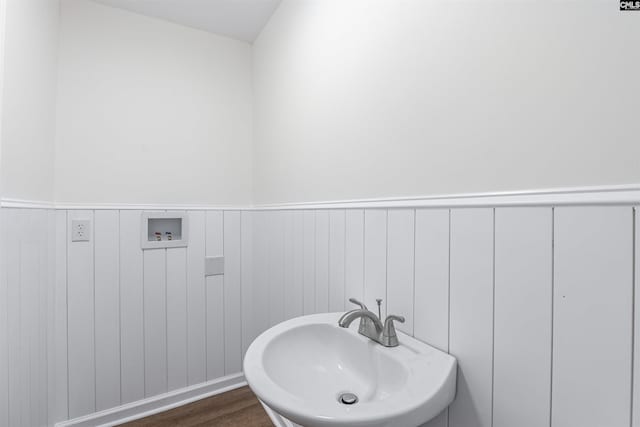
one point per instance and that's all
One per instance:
(28, 102)
(150, 112)
(361, 98)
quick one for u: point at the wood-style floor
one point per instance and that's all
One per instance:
(236, 408)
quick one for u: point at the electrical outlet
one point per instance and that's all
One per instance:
(80, 230)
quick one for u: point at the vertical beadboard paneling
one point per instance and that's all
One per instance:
(260, 300)
(294, 305)
(232, 295)
(15, 223)
(322, 261)
(635, 394)
(214, 246)
(294, 249)
(51, 315)
(592, 316)
(196, 300)
(246, 278)
(60, 350)
(80, 300)
(131, 308)
(375, 258)
(276, 267)
(4, 320)
(39, 360)
(336, 260)
(431, 322)
(107, 300)
(26, 313)
(400, 261)
(308, 262)
(155, 321)
(471, 317)
(288, 264)
(43, 313)
(354, 254)
(29, 306)
(431, 304)
(177, 332)
(522, 333)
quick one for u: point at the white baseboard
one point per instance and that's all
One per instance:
(153, 405)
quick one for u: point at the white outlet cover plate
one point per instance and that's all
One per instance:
(80, 230)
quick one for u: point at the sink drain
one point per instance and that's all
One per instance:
(348, 399)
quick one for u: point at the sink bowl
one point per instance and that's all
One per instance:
(308, 370)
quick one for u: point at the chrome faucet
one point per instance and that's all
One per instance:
(370, 325)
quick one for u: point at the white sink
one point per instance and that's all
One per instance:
(301, 367)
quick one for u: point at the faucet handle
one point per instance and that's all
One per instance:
(390, 318)
(389, 335)
(356, 302)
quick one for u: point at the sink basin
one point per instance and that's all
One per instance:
(302, 368)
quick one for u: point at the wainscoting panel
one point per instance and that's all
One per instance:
(81, 320)
(635, 394)
(275, 258)
(59, 400)
(400, 271)
(375, 258)
(260, 284)
(431, 270)
(523, 302)
(471, 324)
(127, 323)
(177, 346)
(107, 300)
(354, 255)
(214, 290)
(26, 310)
(155, 322)
(232, 293)
(483, 281)
(196, 301)
(336, 260)
(17, 355)
(432, 277)
(4, 331)
(592, 319)
(131, 307)
(308, 262)
(288, 282)
(537, 304)
(246, 279)
(322, 261)
(293, 264)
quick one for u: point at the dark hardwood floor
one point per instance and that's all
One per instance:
(236, 408)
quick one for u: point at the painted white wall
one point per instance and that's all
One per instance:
(28, 102)
(150, 111)
(380, 98)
